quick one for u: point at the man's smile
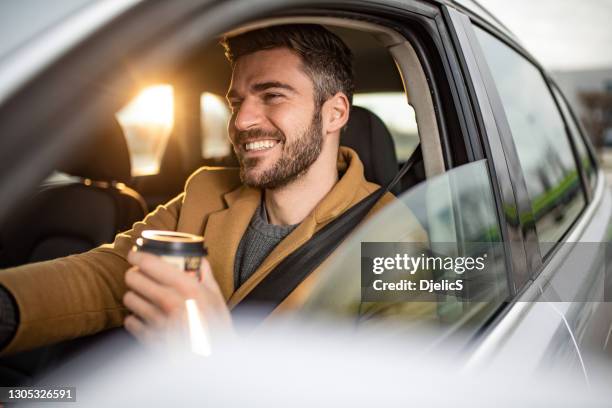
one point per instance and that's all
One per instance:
(260, 145)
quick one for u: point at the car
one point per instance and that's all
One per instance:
(106, 108)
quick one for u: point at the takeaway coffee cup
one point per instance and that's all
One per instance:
(185, 251)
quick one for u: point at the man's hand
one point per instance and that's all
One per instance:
(157, 293)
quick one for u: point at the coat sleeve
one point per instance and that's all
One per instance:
(80, 294)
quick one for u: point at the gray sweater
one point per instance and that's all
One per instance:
(256, 244)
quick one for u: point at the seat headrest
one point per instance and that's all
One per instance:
(104, 157)
(369, 137)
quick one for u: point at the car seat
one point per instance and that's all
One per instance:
(367, 134)
(76, 210)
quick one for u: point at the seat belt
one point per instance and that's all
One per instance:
(298, 265)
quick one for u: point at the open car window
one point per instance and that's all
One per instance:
(450, 216)
(397, 114)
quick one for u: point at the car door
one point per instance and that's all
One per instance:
(564, 226)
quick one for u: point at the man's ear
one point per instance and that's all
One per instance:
(337, 109)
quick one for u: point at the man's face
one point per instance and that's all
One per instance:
(275, 128)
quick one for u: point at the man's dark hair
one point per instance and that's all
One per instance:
(325, 57)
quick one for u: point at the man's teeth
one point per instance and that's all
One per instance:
(260, 145)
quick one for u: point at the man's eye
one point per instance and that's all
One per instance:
(271, 97)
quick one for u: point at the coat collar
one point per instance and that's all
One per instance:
(225, 228)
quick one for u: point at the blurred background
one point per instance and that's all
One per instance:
(573, 40)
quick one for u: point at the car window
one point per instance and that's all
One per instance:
(214, 115)
(452, 216)
(393, 109)
(147, 121)
(543, 146)
(585, 158)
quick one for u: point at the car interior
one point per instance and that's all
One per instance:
(106, 178)
(141, 157)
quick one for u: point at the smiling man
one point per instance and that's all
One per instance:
(290, 97)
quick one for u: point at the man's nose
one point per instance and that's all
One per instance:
(249, 116)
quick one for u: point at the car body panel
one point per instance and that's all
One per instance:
(567, 319)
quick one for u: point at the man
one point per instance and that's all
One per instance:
(290, 97)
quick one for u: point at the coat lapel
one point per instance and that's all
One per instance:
(223, 232)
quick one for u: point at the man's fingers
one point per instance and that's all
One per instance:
(144, 309)
(163, 297)
(155, 267)
(137, 329)
(207, 278)
(213, 302)
(206, 274)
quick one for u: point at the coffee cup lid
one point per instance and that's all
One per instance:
(171, 243)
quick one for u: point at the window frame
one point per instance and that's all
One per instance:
(589, 186)
(485, 110)
(536, 261)
(581, 179)
(546, 80)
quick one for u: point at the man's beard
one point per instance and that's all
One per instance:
(296, 157)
